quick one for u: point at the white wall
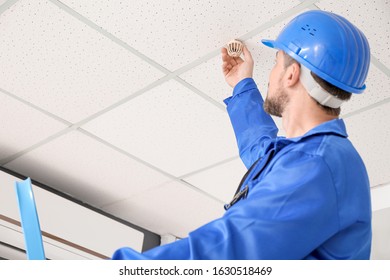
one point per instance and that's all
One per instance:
(380, 222)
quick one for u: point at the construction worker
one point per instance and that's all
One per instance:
(305, 195)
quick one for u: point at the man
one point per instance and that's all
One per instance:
(306, 195)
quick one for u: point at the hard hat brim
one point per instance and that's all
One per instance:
(268, 43)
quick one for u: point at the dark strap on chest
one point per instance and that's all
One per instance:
(267, 157)
(244, 192)
(245, 176)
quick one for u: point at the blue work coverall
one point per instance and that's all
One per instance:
(305, 198)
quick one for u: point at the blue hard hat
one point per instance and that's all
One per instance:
(330, 46)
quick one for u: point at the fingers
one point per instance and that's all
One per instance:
(224, 54)
(236, 68)
(247, 54)
(228, 61)
(226, 67)
(226, 57)
(232, 62)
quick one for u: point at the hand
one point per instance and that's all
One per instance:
(236, 69)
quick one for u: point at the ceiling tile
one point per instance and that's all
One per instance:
(209, 79)
(370, 133)
(22, 126)
(208, 76)
(169, 209)
(378, 85)
(220, 181)
(372, 17)
(263, 56)
(203, 25)
(169, 127)
(54, 61)
(87, 170)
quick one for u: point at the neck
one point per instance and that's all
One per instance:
(302, 115)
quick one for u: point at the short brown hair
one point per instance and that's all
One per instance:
(331, 89)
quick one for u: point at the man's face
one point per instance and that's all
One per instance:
(276, 99)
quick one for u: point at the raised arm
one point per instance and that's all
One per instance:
(253, 128)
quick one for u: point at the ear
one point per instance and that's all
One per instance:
(292, 74)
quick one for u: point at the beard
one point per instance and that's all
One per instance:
(275, 105)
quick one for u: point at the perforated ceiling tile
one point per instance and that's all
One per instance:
(169, 209)
(87, 170)
(174, 33)
(370, 133)
(2, 2)
(372, 17)
(209, 79)
(22, 126)
(220, 181)
(170, 127)
(54, 61)
(378, 89)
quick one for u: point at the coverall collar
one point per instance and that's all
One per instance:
(336, 126)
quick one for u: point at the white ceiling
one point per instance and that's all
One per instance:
(119, 103)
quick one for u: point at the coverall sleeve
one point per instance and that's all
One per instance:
(287, 214)
(253, 127)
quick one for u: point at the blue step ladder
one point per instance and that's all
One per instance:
(29, 220)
